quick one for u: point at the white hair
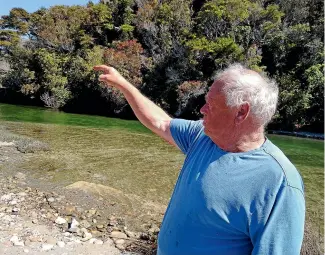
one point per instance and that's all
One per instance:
(244, 85)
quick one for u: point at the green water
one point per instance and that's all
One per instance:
(126, 156)
(117, 153)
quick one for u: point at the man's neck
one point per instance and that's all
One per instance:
(241, 142)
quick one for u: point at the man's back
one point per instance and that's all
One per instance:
(232, 203)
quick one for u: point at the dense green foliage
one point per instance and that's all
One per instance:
(170, 50)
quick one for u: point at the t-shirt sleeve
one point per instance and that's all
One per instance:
(184, 132)
(279, 229)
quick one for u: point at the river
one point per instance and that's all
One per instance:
(122, 155)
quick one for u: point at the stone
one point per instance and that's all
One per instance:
(35, 221)
(113, 221)
(86, 236)
(73, 230)
(100, 226)
(35, 239)
(60, 244)
(94, 221)
(85, 224)
(98, 242)
(26, 250)
(131, 234)
(60, 221)
(8, 210)
(154, 230)
(120, 246)
(118, 234)
(119, 241)
(20, 176)
(92, 212)
(6, 197)
(13, 202)
(51, 199)
(28, 242)
(109, 242)
(47, 247)
(92, 240)
(74, 223)
(22, 194)
(33, 214)
(15, 241)
(50, 216)
(79, 232)
(51, 240)
(69, 210)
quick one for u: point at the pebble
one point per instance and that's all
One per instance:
(117, 234)
(60, 221)
(119, 241)
(60, 244)
(92, 212)
(120, 246)
(92, 240)
(51, 240)
(47, 247)
(69, 210)
(73, 230)
(51, 199)
(154, 230)
(132, 234)
(7, 218)
(86, 236)
(100, 226)
(13, 202)
(20, 176)
(26, 250)
(85, 224)
(98, 242)
(6, 197)
(74, 223)
(35, 239)
(15, 241)
(109, 242)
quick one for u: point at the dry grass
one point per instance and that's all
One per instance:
(312, 244)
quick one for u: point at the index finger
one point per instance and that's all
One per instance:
(103, 68)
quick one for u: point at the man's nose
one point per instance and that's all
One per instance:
(203, 109)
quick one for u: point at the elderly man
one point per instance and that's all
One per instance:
(237, 193)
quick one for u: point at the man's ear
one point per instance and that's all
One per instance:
(242, 113)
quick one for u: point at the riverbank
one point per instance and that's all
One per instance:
(310, 135)
(67, 221)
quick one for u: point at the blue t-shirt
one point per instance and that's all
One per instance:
(232, 203)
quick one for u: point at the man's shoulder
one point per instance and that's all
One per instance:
(280, 161)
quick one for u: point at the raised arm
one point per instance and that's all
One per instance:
(150, 115)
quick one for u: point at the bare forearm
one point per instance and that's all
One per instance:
(149, 114)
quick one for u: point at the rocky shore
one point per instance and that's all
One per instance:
(37, 221)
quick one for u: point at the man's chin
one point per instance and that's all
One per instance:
(206, 131)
